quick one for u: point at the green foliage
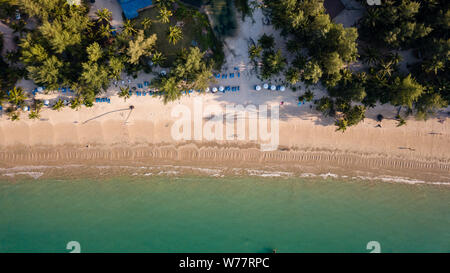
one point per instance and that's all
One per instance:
(34, 115)
(141, 47)
(190, 72)
(17, 96)
(59, 105)
(312, 72)
(406, 91)
(124, 92)
(308, 96)
(174, 34)
(164, 15)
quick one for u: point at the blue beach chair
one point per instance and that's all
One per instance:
(231, 75)
(64, 90)
(103, 99)
(146, 83)
(239, 74)
(233, 89)
(238, 88)
(109, 100)
(140, 85)
(97, 100)
(217, 76)
(224, 76)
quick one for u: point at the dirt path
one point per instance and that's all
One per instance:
(8, 39)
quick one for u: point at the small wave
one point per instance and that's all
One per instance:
(34, 175)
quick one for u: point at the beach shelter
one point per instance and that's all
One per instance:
(207, 89)
(214, 90)
(257, 87)
(40, 89)
(221, 88)
(163, 72)
(273, 87)
(131, 7)
(46, 103)
(266, 86)
(26, 108)
(282, 88)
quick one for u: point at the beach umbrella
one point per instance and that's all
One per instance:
(163, 72)
(214, 90)
(221, 88)
(273, 88)
(39, 89)
(26, 108)
(46, 102)
(282, 88)
(257, 87)
(207, 89)
(266, 86)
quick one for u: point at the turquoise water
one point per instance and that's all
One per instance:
(189, 214)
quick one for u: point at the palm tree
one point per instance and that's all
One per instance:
(158, 58)
(128, 28)
(58, 105)
(14, 115)
(104, 15)
(76, 103)
(105, 31)
(401, 121)
(124, 93)
(164, 15)
(371, 55)
(146, 23)
(386, 68)
(254, 52)
(17, 96)
(341, 125)
(34, 115)
(164, 3)
(175, 34)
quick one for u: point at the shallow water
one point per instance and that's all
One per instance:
(191, 214)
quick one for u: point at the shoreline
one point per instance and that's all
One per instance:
(216, 161)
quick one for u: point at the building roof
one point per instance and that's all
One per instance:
(333, 7)
(130, 7)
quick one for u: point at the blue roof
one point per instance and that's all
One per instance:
(130, 7)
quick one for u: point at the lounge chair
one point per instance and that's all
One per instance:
(217, 76)
(144, 93)
(233, 88)
(224, 76)
(108, 100)
(146, 83)
(1, 108)
(231, 75)
(103, 99)
(238, 88)
(140, 85)
(97, 100)
(238, 74)
(64, 90)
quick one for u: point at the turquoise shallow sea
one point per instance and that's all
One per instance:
(201, 214)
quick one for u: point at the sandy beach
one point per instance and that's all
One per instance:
(111, 134)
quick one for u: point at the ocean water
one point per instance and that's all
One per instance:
(206, 214)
